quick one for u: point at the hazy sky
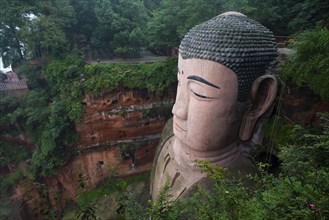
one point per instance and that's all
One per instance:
(3, 69)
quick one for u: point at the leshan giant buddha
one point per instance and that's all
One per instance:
(224, 86)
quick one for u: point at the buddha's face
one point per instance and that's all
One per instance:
(207, 115)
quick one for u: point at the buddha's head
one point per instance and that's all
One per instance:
(224, 82)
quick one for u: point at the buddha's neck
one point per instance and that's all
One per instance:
(223, 156)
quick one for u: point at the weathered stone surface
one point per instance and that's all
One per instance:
(118, 135)
(121, 116)
(115, 124)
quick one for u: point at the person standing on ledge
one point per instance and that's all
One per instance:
(224, 86)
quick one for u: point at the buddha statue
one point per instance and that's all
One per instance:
(224, 87)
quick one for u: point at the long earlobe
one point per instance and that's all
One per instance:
(263, 93)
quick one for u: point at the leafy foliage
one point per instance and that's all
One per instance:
(159, 77)
(309, 14)
(48, 113)
(173, 19)
(86, 207)
(7, 183)
(35, 29)
(84, 27)
(278, 131)
(163, 207)
(12, 17)
(120, 26)
(8, 107)
(12, 154)
(51, 113)
(125, 27)
(126, 201)
(310, 64)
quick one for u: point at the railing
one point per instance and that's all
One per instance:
(13, 86)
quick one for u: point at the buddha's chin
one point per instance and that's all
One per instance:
(185, 143)
(198, 146)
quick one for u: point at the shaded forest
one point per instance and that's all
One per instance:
(32, 29)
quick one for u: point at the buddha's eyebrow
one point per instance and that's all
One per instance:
(202, 80)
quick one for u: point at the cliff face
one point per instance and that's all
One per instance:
(117, 136)
(119, 133)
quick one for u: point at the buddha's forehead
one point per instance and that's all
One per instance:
(212, 71)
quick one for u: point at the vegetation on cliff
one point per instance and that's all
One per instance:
(49, 112)
(158, 77)
(309, 65)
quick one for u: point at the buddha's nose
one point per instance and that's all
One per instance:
(181, 105)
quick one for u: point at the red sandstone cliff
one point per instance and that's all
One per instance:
(119, 128)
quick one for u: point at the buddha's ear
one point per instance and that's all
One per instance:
(263, 93)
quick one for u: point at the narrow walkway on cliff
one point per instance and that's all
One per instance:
(145, 57)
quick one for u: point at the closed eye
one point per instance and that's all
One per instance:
(201, 96)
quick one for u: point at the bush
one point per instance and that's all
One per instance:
(126, 53)
(159, 77)
(310, 64)
(12, 153)
(8, 182)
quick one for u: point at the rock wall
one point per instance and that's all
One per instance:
(118, 136)
(119, 133)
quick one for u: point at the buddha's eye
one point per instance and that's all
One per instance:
(201, 96)
(202, 89)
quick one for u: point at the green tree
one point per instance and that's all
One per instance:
(265, 12)
(33, 29)
(309, 14)
(173, 19)
(119, 23)
(47, 34)
(48, 113)
(13, 16)
(164, 28)
(151, 4)
(86, 21)
(310, 64)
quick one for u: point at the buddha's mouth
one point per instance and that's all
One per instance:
(179, 128)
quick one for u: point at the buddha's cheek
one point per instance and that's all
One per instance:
(209, 125)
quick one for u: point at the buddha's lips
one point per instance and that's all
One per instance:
(179, 127)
